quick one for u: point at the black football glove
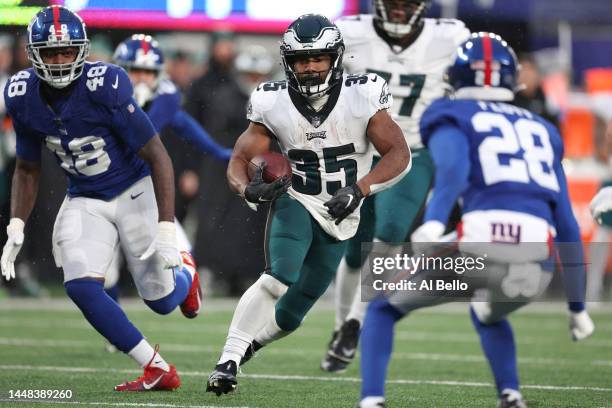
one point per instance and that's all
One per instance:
(258, 191)
(344, 202)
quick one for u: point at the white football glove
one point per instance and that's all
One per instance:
(431, 231)
(580, 324)
(601, 203)
(12, 247)
(165, 245)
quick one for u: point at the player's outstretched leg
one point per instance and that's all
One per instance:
(105, 315)
(250, 316)
(186, 293)
(376, 348)
(497, 341)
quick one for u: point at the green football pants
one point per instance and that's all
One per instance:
(302, 256)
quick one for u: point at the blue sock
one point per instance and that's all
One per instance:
(376, 346)
(113, 292)
(165, 305)
(497, 341)
(103, 313)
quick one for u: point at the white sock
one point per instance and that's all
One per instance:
(358, 308)
(347, 281)
(371, 402)
(235, 346)
(254, 310)
(143, 354)
(270, 333)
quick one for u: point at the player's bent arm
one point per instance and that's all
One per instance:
(24, 188)
(450, 153)
(395, 162)
(253, 141)
(162, 173)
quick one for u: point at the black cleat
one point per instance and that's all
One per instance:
(251, 351)
(223, 379)
(511, 399)
(342, 349)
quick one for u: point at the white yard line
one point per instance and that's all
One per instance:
(304, 378)
(185, 348)
(111, 404)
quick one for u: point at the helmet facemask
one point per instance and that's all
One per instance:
(398, 18)
(58, 75)
(313, 83)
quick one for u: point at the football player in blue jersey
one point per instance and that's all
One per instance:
(505, 163)
(143, 60)
(121, 186)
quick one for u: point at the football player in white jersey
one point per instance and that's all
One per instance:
(325, 123)
(411, 53)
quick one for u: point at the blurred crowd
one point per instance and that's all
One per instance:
(227, 236)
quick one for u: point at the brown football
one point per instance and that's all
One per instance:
(277, 166)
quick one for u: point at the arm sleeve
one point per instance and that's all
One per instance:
(189, 130)
(133, 125)
(380, 98)
(569, 246)
(28, 145)
(450, 152)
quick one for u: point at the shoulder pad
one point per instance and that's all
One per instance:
(354, 27)
(449, 28)
(264, 97)
(441, 112)
(371, 93)
(15, 90)
(108, 84)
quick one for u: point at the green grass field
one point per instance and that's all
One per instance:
(437, 362)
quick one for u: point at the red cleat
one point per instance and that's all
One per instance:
(153, 379)
(193, 302)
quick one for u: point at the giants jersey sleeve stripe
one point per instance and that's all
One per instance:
(326, 153)
(415, 75)
(96, 135)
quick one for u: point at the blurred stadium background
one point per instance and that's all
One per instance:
(217, 50)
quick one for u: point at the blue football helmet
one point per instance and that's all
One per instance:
(57, 27)
(485, 68)
(140, 51)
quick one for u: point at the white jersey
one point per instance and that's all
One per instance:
(328, 149)
(415, 75)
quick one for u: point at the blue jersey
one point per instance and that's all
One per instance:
(514, 156)
(95, 132)
(165, 111)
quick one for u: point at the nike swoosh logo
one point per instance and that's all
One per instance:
(350, 196)
(116, 84)
(348, 352)
(135, 196)
(152, 384)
